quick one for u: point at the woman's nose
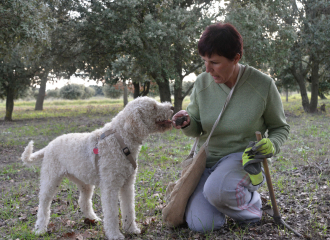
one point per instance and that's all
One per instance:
(208, 68)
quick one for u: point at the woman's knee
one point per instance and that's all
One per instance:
(225, 191)
(212, 194)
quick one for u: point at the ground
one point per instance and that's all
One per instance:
(300, 176)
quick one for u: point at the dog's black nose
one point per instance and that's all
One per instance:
(172, 108)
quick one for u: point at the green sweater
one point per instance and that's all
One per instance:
(254, 106)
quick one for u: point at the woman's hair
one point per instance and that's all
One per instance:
(222, 39)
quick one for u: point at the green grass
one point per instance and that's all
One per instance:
(300, 174)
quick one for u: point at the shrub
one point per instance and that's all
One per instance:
(30, 93)
(98, 90)
(53, 93)
(89, 92)
(185, 86)
(112, 91)
(72, 91)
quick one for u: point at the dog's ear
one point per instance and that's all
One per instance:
(135, 123)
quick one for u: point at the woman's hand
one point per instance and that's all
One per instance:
(180, 114)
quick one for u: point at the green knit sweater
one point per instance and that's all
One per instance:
(254, 106)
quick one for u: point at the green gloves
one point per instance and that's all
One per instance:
(264, 149)
(254, 155)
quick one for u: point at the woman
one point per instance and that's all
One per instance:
(226, 186)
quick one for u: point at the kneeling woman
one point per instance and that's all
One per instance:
(226, 186)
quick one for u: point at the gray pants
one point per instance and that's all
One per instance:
(224, 189)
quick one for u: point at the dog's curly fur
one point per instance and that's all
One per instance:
(71, 156)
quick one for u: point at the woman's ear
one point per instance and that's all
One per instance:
(237, 58)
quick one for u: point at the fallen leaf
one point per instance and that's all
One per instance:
(51, 227)
(60, 209)
(34, 211)
(149, 220)
(23, 217)
(159, 207)
(70, 223)
(70, 235)
(90, 233)
(90, 221)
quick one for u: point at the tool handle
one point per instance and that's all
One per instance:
(277, 216)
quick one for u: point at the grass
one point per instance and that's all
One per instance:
(300, 175)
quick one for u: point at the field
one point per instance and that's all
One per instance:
(300, 175)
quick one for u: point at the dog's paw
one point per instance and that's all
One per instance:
(97, 219)
(133, 229)
(39, 231)
(115, 236)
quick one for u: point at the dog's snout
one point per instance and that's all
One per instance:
(172, 108)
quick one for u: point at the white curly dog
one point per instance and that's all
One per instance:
(72, 156)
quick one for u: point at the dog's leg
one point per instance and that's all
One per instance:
(85, 198)
(49, 183)
(127, 206)
(109, 198)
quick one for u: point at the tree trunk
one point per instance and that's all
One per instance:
(146, 88)
(315, 86)
(125, 93)
(322, 96)
(9, 104)
(302, 86)
(136, 89)
(42, 92)
(178, 99)
(164, 91)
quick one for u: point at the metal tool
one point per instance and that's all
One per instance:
(274, 212)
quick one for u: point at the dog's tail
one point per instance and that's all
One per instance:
(30, 158)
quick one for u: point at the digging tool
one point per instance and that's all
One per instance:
(274, 211)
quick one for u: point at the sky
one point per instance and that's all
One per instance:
(77, 80)
(86, 82)
(52, 85)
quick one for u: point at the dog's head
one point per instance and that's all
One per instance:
(145, 115)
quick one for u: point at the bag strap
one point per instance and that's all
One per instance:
(240, 73)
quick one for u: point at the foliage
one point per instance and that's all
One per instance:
(30, 93)
(186, 87)
(25, 27)
(53, 93)
(88, 92)
(76, 91)
(111, 91)
(97, 89)
(142, 41)
(166, 35)
(287, 41)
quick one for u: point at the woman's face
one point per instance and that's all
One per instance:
(222, 69)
